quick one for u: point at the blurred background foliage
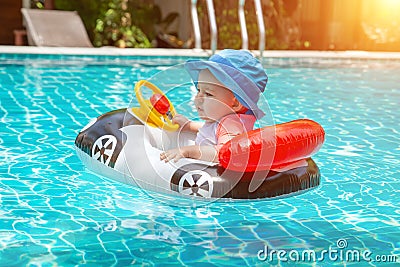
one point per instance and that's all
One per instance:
(115, 28)
(290, 24)
(139, 23)
(109, 22)
(121, 23)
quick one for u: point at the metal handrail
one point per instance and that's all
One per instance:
(213, 25)
(196, 25)
(243, 28)
(261, 27)
(242, 21)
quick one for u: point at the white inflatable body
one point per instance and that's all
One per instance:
(119, 146)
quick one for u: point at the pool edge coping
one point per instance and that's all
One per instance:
(113, 51)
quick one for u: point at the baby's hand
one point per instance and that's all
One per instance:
(181, 120)
(173, 154)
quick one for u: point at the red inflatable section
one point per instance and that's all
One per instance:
(272, 147)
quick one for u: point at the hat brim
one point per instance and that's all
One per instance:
(194, 67)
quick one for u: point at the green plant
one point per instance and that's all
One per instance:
(148, 17)
(115, 28)
(37, 4)
(107, 22)
(122, 23)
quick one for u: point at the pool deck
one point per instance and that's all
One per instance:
(113, 51)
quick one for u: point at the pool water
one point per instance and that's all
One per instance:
(54, 212)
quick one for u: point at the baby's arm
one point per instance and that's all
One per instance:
(206, 153)
(186, 124)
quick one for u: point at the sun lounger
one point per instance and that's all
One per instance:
(55, 28)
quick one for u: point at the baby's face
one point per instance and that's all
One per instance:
(213, 101)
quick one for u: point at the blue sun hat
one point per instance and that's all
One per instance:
(239, 71)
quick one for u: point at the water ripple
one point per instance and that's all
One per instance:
(53, 211)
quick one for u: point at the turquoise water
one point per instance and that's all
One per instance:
(53, 212)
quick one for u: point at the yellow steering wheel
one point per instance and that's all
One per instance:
(157, 111)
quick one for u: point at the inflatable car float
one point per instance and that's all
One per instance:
(125, 145)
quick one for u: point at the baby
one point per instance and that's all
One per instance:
(229, 85)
